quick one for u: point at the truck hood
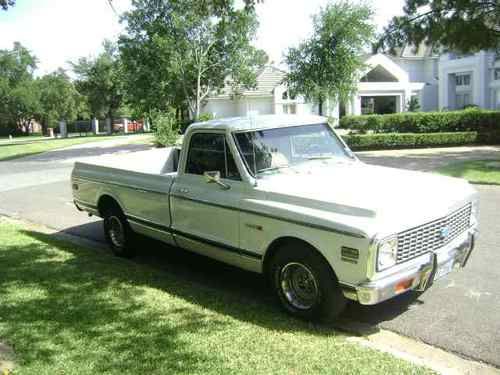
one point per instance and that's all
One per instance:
(398, 199)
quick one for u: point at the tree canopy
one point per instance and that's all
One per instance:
(458, 25)
(327, 65)
(177, 52)
(101, 81)
(5, 4)
(59, 99)
(19, 100)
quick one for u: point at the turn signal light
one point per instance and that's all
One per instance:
(403, 286)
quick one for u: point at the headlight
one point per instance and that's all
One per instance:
(387, 253)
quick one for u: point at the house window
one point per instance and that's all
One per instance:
(287, 96)
(462, 79)
(463, 100)
(497, 74)
(290, 109)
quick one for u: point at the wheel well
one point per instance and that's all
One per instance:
(107, 201)
(283, 241)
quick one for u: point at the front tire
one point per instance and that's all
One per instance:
(305, 285)
(118, 233)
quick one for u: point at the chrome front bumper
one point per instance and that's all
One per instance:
(420, 273)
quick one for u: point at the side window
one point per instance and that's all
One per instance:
(210, 152)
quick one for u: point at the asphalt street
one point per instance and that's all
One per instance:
(460, 313)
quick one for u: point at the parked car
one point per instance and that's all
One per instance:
(284, 196)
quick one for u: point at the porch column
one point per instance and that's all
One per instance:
(125, 125)
(356, 105)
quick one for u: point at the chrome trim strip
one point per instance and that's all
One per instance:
(87, 205)
(302, 223)
(136, 188)
(192, 237)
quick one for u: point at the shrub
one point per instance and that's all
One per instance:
(410, 140)
(425, 122)
(166, 128)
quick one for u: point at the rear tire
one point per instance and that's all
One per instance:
(118, 233)
(305, 285)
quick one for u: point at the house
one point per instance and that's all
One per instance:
(388, 85)
(269, 96)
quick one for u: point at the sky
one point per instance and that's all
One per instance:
(58, 31)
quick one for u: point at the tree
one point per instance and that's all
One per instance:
(18, 97)
(101, 81)
(5, 4)
(177, 52)
(59, 99)
(327, 65)
(459, 25)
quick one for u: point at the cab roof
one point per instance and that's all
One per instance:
(258, 122)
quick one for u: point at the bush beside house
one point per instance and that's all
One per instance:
(424, 122)
(359, 142)
(423, 129)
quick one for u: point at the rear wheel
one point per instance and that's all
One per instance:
(118, 233)
(305, 285)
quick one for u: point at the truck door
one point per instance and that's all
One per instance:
(205, 216)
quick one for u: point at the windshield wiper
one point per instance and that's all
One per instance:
(273, 168)
(320, 157)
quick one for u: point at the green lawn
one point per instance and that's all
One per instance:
(71, 310)
(478, 171)
(37, 146)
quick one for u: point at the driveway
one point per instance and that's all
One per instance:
(459, 314)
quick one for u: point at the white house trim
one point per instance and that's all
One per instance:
(402, 89)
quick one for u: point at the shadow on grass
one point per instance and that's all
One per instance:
(62, 303)
(201, 281)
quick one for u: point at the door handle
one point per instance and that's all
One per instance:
(183, 190)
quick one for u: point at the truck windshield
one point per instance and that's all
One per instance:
(271, 149)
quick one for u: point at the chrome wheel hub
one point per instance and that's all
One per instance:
(116, 232)
(299, 286)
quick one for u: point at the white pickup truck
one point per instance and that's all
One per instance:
(284, 196)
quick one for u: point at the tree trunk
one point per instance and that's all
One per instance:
(320, 106)
(45, 127)
(198, 95)
(111, 122)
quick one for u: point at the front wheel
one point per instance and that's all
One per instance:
(118, 233)
(305, 285)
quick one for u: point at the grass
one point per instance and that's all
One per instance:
(9, 151)
(70, 310)
(478, 171)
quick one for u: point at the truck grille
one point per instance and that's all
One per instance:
(429, 237)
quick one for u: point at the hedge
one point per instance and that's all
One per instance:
(482, 121)
(413, 140)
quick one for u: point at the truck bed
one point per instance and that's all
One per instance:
(158, 161)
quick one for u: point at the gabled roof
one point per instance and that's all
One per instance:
(387, 64)
(268, 78)
(410, 51)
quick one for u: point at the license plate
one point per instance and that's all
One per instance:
(444, 269)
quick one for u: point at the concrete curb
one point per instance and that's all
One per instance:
(7, 359)
(414, 351)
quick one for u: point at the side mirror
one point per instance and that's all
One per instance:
(214, 177)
